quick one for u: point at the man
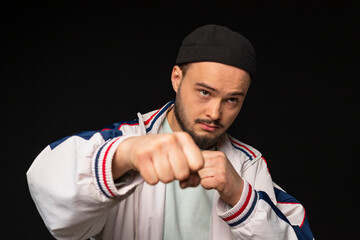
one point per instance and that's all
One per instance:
(173, 173)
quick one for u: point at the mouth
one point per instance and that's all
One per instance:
(209, 126)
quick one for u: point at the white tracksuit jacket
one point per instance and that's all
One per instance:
(73, 189)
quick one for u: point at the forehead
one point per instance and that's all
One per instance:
(220, 76)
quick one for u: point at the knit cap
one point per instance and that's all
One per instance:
(216, 43)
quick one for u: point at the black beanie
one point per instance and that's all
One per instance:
(216, 43)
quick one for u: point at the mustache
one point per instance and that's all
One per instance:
(207, 121)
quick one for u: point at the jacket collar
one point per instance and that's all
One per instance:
(150, 123)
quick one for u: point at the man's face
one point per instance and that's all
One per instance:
(208, 99)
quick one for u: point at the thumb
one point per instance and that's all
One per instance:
(192, 181)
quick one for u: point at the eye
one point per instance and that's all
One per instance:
(204, 93)
(233, 100)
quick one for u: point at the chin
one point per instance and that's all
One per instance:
(206, 141)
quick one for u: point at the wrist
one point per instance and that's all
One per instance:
(233, 195)
(120, 162)
(238, 214)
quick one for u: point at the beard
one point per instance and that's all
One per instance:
(204, 142)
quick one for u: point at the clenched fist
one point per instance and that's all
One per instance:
(160, 157)
(218, 173)
(175, 156)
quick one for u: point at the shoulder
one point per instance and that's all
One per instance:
(144, 123)
(247, 151)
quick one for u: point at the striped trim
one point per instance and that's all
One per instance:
(102, 167)
(243, 209)
(129, 123)
(302, 231)
(283, 197)
(156, 115)
(243, 206)
(266, 164)
(251, 155)
(263, 196)
(304, 216)
(151, 120)
(241, 220)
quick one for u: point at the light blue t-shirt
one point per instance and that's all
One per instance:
(187, 211)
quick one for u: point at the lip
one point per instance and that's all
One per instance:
(209, 127)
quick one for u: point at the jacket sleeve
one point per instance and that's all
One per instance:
(71, 183)
(264, 210)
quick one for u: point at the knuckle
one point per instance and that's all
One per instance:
(166, 178)
(157, 148)
(170, 139)
(184, 135)
(223, 166)
(206, 184)
(195, 166)
(225, 174)
(222, 180)
(183, 175)
(152, 181)
(139, 155)
(165, 140)
(220, 154)
(155, 145)
(221, 160)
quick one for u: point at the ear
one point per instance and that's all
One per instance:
(176, 77)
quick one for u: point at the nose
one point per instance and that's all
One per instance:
(214, 110)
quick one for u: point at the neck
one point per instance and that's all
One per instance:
(174, 125)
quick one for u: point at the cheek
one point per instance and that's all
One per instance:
(194, 107)
(229, 117)
(195, 111)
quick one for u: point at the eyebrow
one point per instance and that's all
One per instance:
(207, 86)
(204, 85)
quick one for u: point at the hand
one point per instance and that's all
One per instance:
(160, 157)
(218, 173)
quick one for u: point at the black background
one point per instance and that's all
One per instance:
(69, 67)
